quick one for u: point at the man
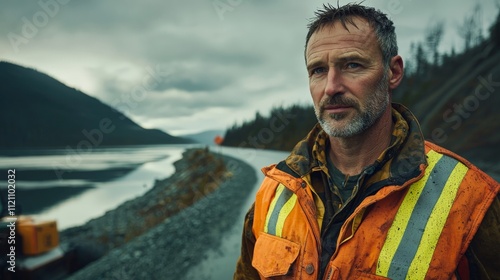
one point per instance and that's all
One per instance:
(363, 196)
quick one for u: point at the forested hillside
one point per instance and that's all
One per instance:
(454, 95)
(38, 111)
(281, 130)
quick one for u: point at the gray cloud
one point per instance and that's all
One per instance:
(219, 65)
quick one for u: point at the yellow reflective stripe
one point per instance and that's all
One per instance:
(435, 224)
(279, 190)
(285, 211)
(397, 230)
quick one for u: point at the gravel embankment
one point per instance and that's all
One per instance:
(166, 250)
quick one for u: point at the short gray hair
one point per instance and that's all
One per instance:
(383, 26)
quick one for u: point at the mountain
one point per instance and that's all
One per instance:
(38, 111)
(457, 103)
(204, 137)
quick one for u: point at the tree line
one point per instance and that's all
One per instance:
(426, 68)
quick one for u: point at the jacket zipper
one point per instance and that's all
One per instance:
(359, 209)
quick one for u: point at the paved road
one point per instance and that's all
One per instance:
(220, 263)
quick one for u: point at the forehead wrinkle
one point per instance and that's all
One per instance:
(363, 30)
(331, 41)
(328, 45)
(351, 54)
(349, 41)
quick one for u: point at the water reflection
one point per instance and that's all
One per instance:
(73, 188)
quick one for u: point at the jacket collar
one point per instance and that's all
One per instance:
(398, 163)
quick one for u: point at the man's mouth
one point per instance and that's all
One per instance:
(336, 109)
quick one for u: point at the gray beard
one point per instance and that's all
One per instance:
(365, 118)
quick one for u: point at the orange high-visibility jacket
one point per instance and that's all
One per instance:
(419, 229)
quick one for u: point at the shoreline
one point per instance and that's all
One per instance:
(180, 240)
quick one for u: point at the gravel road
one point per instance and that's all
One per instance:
(169, 249)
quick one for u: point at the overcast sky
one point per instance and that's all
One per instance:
(185, 66)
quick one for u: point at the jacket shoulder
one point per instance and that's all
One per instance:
(475, 172)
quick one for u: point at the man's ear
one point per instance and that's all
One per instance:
(396, 72)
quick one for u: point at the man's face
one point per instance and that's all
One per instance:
(347, 78)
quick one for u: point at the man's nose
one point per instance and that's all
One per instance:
(334, 82)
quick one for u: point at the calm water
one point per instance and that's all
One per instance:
(75, 187)
(102, 180)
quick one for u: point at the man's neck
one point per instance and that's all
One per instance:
(351, 155)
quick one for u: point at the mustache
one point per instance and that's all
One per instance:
(338, 100)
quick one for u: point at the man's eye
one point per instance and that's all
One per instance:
(318, 70)
(353, 65)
